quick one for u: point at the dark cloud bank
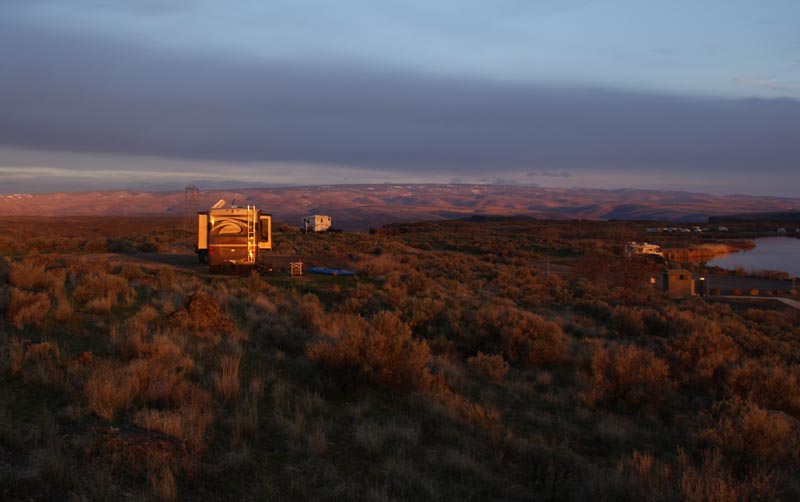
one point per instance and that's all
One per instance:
(66, 92)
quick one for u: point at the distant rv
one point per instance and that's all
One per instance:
(316, 223)
(633, 248)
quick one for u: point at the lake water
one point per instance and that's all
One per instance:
(770, 253)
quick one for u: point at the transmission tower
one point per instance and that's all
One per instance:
(191, 194)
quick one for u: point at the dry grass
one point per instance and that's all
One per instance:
(317, 440)
(108, 390)
(226, 384)
(644, 477)
(246, 419)
(102, 305)
(158, 375)
(162, 484)
(189, 422)
(375, 438)
(13, 356)
(63, 311)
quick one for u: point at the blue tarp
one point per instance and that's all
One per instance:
(329, 271)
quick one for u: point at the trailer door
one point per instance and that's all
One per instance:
(265, 232)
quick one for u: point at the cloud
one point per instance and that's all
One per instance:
(66, 92)
(548, 174)
(769, 84)
(504, 182)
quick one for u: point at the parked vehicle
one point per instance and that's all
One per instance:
(233, 236)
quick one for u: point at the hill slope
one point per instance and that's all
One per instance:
(359, 207)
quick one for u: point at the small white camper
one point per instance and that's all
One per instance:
(316, 223)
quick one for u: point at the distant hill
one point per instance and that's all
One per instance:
(360, 207)
(779, 216)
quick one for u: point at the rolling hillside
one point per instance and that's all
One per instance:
(359, 207)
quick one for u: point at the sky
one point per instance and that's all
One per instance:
(696, 95)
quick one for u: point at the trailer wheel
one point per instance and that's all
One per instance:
(203, 256)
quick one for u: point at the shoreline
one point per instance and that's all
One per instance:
(705, 252)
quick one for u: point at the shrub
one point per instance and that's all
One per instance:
(5, 269)
(766, 382)
(28, 275)
(28, 308)
(538, 342)
(384, 353)
(519, 334)
(492, 366)
(160, 376)
(628, 375)
(706, 354)
(597, 309)
(202, 316)
(627, 321)
(741, 426)
(104, 288)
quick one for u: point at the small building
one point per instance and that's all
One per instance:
(678, 283)
(316, 223)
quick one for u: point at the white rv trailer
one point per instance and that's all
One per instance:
(634, 248)
(316, 223)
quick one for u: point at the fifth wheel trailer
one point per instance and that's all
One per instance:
(233, 236)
